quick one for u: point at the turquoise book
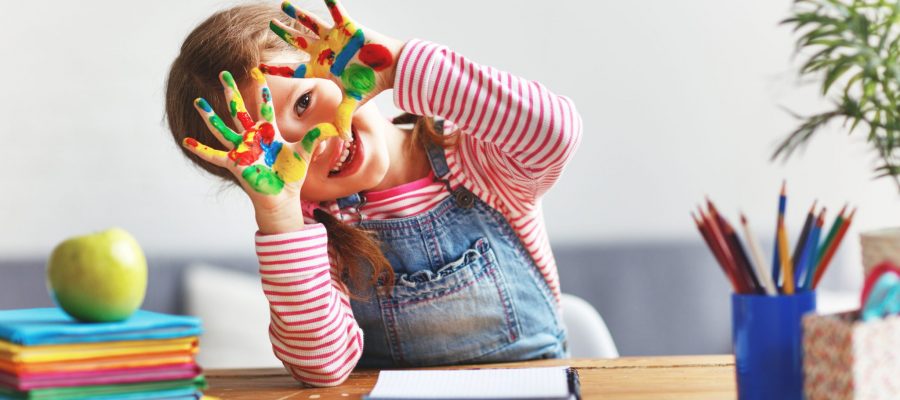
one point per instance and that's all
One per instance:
(39, 326)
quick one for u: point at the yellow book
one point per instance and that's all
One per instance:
(14, 353)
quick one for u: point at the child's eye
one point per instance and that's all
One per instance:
(302, 103)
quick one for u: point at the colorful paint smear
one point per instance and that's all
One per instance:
(296, 40)
(376, 56)
(286, 72)
(340, 52)
(235, 101)
(300, 16)
(266, 109)
(266, 163)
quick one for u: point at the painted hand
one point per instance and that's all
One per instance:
(257, 154)
(359, 60)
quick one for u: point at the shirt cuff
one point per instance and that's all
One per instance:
(412, 80)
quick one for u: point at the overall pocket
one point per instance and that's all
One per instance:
(459, 312)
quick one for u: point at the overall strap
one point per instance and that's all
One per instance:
(464, 198)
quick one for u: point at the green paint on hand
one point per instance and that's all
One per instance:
(229, 80)
(280, 32)
(358, 78)
(263, 180)
(310, 139)
(229, 134)
(267, 113)
(232, 105)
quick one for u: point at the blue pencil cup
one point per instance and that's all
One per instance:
(768, 344)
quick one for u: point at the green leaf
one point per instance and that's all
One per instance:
(836, 71)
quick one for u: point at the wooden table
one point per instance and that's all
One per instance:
(657, 378)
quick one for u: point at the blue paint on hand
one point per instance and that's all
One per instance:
(340, 62)
(203, 104)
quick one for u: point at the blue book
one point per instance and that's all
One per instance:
(37, 326)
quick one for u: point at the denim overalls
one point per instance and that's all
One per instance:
(466, 290)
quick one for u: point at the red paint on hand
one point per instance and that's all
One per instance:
(191, 142)
(249, 155)
(245, 119)
(376, 56)
(266, 133)
(286, 72)
(326, 55)
(300, 42)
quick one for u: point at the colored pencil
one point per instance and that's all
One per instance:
(812, 246)
(712, 222)
(787, 268)
(823, 247)
(776, 254)
(740, 258)
(719, 245)
(823, 264)
(713, 248)
(762, 270)
(801, 245)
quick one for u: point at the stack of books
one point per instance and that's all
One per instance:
(46, 354)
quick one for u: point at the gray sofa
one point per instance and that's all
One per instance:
(657, 298)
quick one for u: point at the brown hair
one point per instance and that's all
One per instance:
(238, 39)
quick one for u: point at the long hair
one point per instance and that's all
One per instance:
(238, 39)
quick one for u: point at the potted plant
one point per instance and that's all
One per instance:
(854, 48)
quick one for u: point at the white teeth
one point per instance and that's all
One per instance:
(345, 153)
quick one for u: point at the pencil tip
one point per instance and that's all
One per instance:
(812, 209)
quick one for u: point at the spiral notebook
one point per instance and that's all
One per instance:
(549, 383)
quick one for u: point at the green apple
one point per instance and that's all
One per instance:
(100, 277)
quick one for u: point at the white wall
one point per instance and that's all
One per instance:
(679, 99)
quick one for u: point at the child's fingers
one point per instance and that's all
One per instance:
(338, 13)
(294, 37)
(236, 106)
(345, 116)
(229, 138)
(319, 132)
(266, 107)
(208, 154)
(310, 21)
(285, 71)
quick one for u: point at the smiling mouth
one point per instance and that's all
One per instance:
(347, 154)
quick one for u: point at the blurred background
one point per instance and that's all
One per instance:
(679, 100)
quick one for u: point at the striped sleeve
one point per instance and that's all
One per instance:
(524, 133)
(312, 328)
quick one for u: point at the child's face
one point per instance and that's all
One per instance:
(300, 104)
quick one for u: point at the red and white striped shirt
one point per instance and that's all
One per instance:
(516, 137)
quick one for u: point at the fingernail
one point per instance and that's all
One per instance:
(226, 76)
(201, 102)
(288, 8)
(190, 142)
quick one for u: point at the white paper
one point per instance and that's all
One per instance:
(524, 383)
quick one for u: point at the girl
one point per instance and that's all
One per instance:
(380, 246)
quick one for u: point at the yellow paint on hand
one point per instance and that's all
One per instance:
(258, 76)
(202, 149)
(289, 166)
(345, 116)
